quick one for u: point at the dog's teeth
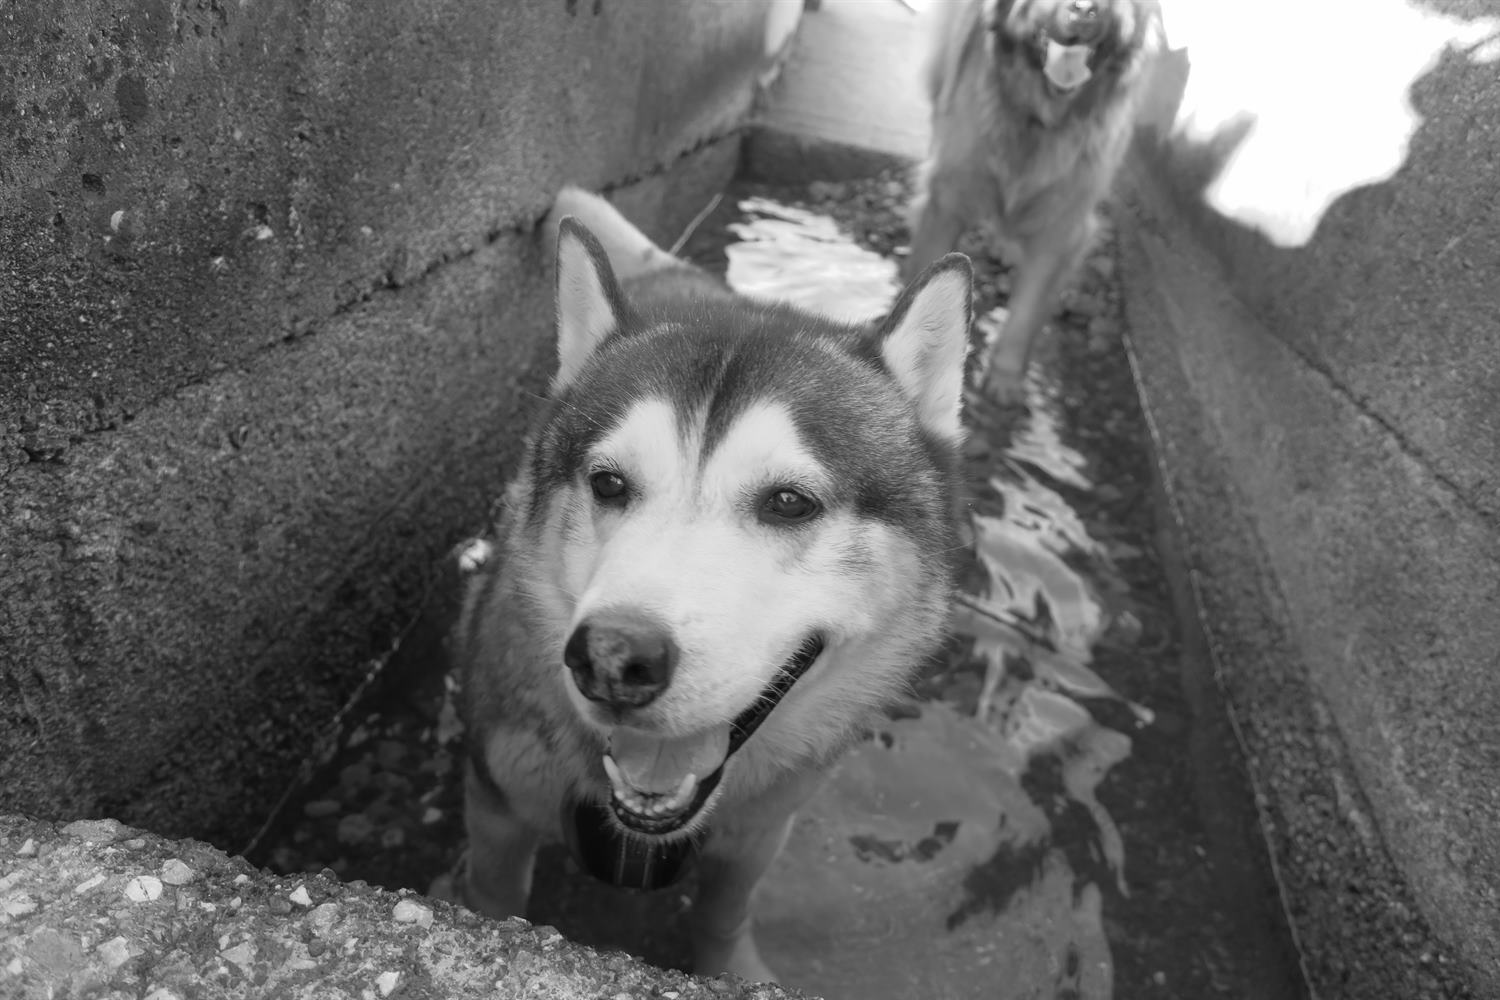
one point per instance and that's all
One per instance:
(613, 770)
(684, 792)
(649, 804)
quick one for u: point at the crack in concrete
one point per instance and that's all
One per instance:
(390, 283)
(1214, 274)
(386, 283)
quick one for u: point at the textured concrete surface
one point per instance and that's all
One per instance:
(180, 188)
(1310, 261)
(270, 317)
(1360, 929)
(95, 908)
(848, 101)
(1327, 362)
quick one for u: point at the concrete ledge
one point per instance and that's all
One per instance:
(1312, 316)
(1283, 488)
(96, 907)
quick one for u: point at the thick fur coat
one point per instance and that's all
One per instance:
(728, 547)
(1013, 149)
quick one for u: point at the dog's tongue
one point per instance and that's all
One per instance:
(657, 766)
(1067, 65)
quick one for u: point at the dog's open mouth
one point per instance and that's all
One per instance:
(1066, 66)
(660, 784)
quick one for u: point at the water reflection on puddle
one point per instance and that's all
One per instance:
(801, 257)
(961, 851)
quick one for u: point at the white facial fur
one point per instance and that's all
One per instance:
(741, 595)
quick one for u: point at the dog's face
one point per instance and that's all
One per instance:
(741, 518)
(1071, 44)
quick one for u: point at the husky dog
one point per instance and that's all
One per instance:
(1033, 106)
(726, 549)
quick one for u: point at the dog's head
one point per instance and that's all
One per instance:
(737, 508)
(1075, 48)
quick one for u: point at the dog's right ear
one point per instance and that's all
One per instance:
(590, 305)
(924, 341)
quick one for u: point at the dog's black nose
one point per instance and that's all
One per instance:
(624, 660)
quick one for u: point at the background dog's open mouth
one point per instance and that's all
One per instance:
(1067, 66)
(660, 784)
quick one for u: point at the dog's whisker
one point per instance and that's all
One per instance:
(566, 405)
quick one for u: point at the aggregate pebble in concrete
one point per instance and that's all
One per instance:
(167, 919)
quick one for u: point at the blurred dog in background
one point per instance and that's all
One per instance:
(1033, 106)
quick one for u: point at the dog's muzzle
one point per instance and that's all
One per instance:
(1077, 22)
(628, 842)
(1068, 42)
(622, 661)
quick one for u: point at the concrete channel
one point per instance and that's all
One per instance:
(1199, 734)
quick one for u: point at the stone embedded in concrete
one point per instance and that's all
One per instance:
(145, 148)
(220, 935)
(185, 187)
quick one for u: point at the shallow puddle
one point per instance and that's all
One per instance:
(927, 868)
(972, 845)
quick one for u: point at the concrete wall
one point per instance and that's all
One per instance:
(1312, 250)
(271, 319)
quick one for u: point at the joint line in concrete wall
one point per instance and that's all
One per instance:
(1406, 446)
(519, 226)
(1160, 229)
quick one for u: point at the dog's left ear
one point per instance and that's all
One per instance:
(590, 304)
(925, 339)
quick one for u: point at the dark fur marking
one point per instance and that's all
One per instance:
(718, 358)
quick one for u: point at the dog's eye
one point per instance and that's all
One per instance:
(609, 487)
(787, 506)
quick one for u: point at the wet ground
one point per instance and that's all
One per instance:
(1059, 812)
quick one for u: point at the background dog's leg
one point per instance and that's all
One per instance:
(728, 872)
(502, 850)
(935, 224)
(1046, 263)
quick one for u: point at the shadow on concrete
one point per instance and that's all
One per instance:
(1334, 345)
(1274, 124)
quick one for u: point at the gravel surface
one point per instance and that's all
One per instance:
(97, 909)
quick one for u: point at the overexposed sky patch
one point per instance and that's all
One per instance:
(1326, 85)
